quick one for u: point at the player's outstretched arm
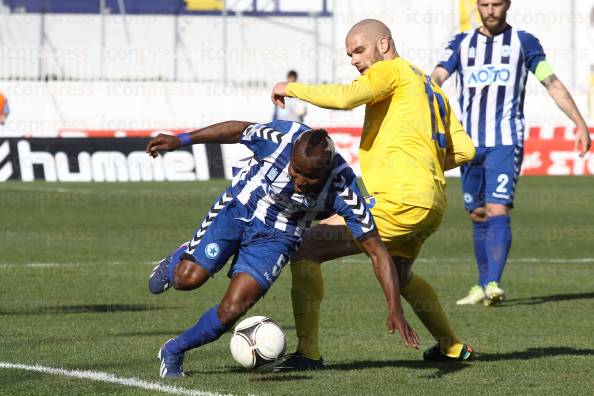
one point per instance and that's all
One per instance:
(328, 96)
(376, 84)
(565, 102)
(385, 271)
(223, 132)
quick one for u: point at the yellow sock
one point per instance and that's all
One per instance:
(307, 293)
(425, 303)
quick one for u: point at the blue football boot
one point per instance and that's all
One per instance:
(159, 279)
(171, 363)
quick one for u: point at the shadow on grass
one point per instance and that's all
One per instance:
(281, 377)
(86, 308)
(547, 299)
(533, 353)
(443, 368)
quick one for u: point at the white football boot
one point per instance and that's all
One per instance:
(476, 295)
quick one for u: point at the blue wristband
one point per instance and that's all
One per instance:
(186, 139)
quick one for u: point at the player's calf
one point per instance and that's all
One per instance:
(242, 294)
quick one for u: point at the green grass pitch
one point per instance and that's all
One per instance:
(75, 260)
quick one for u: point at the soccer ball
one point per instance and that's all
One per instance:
(258, 343)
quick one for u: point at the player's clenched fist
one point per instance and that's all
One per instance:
(162, 143)
(278, 94)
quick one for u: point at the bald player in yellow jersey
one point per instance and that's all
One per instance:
(410, 137)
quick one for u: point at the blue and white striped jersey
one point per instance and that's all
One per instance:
(263, 185)
(491, 81)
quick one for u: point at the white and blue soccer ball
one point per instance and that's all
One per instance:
(258, 342)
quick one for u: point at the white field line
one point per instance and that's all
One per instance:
(110, 378)
(54, 265)
(583, 260)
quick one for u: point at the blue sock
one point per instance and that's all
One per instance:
(499, 238)
(479, 237)
(207, 329)
(177, 253)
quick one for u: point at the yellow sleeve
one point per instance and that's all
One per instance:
(376, 84)
(460, 148)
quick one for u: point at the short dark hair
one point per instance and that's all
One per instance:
(292, 73)
(316, 143)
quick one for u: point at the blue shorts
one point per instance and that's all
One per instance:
(491, 176)
(260, 251)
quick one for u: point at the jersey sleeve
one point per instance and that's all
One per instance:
(348, 202)
(376, 84)
(533, 51)
(460, 148)
(450, 58)
(261, 139)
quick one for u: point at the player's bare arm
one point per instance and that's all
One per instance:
(565, 102)
(439, 75)
(222, 133)
(386, 274)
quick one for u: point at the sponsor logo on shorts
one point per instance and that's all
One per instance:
(500, 196)
(212, 250)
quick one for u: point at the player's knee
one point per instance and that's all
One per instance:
(188, 275)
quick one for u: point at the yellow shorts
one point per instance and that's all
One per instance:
(403, 228)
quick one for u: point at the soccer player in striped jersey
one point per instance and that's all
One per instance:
(492, 64)
(293, 178)
(410, 137)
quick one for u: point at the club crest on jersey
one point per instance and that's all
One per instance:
(212, 250)
(272, 174)
(505, 51)
(479, 76)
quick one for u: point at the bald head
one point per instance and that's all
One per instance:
(370, 29)
(369, 41)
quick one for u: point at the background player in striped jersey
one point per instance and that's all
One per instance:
(294, 177)
(492, 64)
(410, 137)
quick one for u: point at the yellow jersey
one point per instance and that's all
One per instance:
(410, 134)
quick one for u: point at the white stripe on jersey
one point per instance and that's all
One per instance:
(491, 119)
(506, 129)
